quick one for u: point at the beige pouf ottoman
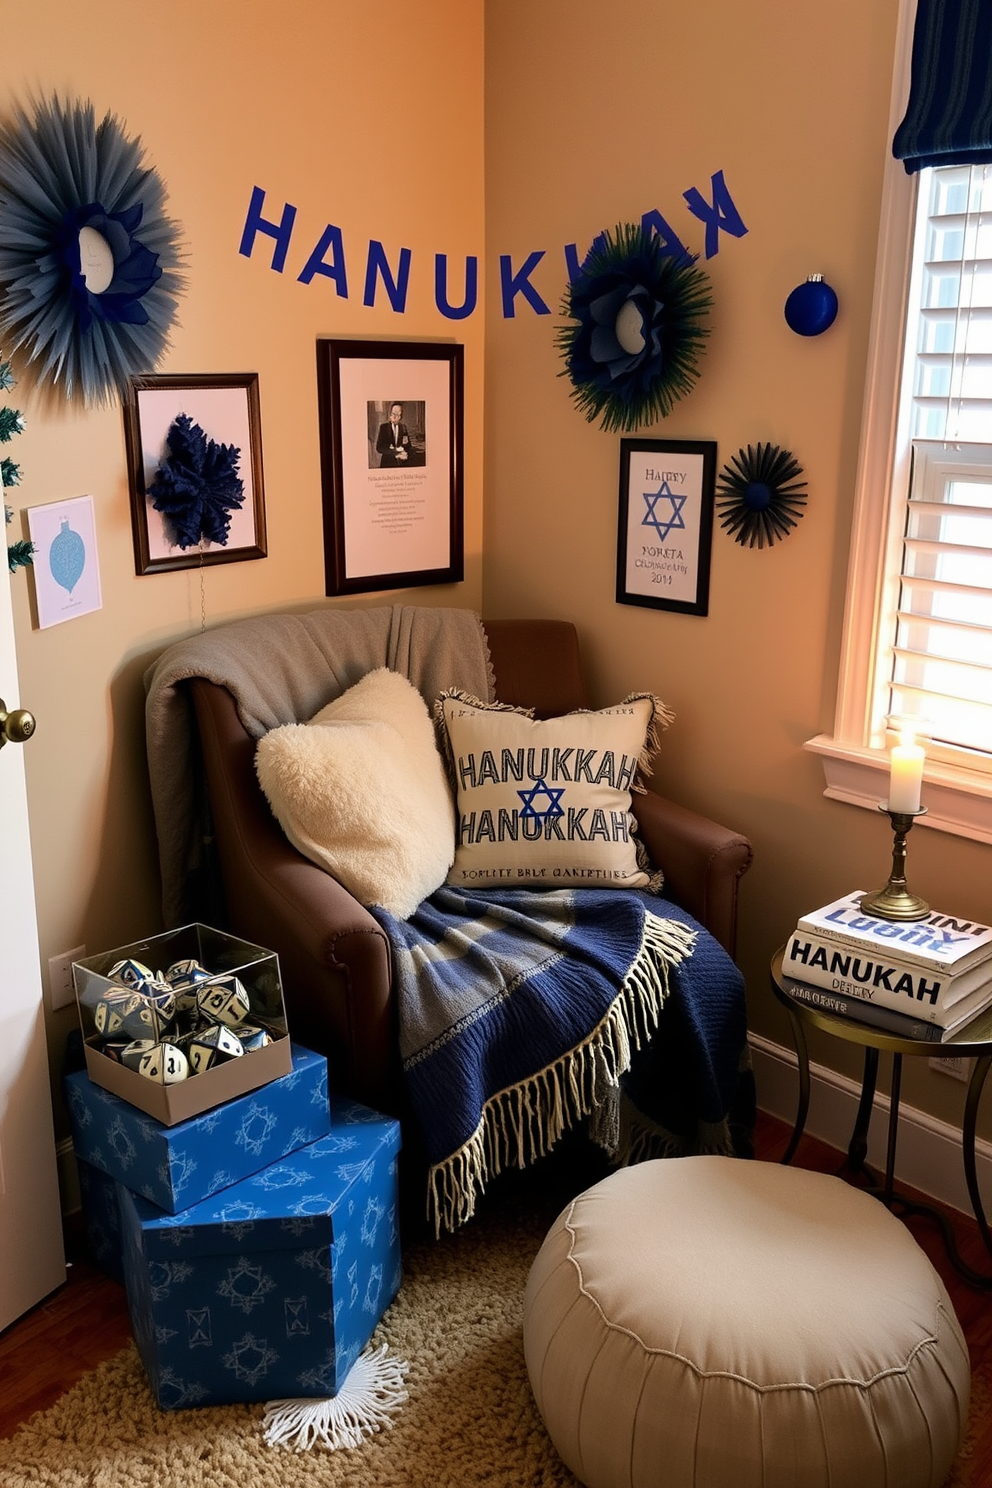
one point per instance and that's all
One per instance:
(707, 1322)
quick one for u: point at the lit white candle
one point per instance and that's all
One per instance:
(906, 774)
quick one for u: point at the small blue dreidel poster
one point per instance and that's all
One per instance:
(65, 568)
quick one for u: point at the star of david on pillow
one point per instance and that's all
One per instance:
(547, 802)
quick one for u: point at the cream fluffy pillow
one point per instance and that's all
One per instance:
(546, 802)
(361, 791)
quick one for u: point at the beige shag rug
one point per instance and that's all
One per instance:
(470, 1418)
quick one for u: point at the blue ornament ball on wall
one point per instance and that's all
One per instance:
(811, 307)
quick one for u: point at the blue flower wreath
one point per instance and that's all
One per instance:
(638, 312)
(197, 485)
(62, 173)
(759, 498)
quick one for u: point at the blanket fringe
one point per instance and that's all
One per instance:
(642, 1139)
(370, 1396)
(525, 1121)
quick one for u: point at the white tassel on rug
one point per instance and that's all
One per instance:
(370, 1396)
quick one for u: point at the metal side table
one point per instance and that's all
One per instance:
(973, 1040)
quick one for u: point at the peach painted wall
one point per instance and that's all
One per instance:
(595, 115)
(366, 117)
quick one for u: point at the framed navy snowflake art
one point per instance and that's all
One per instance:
(194, 454)
(666, 523)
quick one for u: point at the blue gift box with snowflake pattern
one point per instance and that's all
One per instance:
(176, 1166)
(272, 1288)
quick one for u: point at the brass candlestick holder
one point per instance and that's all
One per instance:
(895, 902)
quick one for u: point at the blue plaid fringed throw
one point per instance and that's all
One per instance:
(523, 1011)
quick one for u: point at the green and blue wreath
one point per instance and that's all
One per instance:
(69, 188)
(638, 313)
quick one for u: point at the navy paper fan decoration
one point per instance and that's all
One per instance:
(197, 485)
(759, 498)
(638, 313)
(88, 259)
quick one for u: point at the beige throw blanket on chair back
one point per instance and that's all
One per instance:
(282, 668)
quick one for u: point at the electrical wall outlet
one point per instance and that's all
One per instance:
(61, 987)
(957, 1066)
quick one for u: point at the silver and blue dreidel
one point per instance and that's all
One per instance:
(164, 1064)
(133, 1053)
(108, 1011)
(253, 1036)
(223, 1000)
(215, 1044)
(151, 1012)
(184, 977)
(130, 973)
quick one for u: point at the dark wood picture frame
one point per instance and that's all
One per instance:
(393, 503)
(226, 406)
(665, 535)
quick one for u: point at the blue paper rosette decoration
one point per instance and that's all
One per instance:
(89, 261)
(638, 315)
(760, 497)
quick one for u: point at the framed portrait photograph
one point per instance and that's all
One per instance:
(391, 453)
(194, 457)
(666, 523)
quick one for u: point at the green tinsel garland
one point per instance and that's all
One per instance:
(20, 553)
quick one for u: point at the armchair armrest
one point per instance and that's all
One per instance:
(336, 969)
(701, 860)
(333, 956)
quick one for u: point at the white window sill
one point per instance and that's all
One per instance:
(956, 801)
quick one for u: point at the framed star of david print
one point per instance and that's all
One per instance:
(666, 523)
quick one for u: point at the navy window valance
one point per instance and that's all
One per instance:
(949, 116)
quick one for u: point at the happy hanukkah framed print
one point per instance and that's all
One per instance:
(665, 531)
(194, 457)
(391, 453)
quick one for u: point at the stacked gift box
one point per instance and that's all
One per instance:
(257, 1237)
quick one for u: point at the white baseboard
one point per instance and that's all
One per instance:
(928, 1151)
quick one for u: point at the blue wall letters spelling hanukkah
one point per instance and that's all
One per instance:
(456, 294)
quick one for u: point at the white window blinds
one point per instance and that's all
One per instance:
(952, 289)
(941, 661)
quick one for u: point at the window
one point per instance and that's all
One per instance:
(936, 661)
(918, 627)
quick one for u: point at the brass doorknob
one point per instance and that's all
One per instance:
(17, 726)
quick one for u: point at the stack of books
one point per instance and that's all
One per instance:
(920, 979)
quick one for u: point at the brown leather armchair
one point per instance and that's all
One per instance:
(334, 956)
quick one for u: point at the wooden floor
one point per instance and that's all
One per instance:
(48, 1349)
(86, 1321)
